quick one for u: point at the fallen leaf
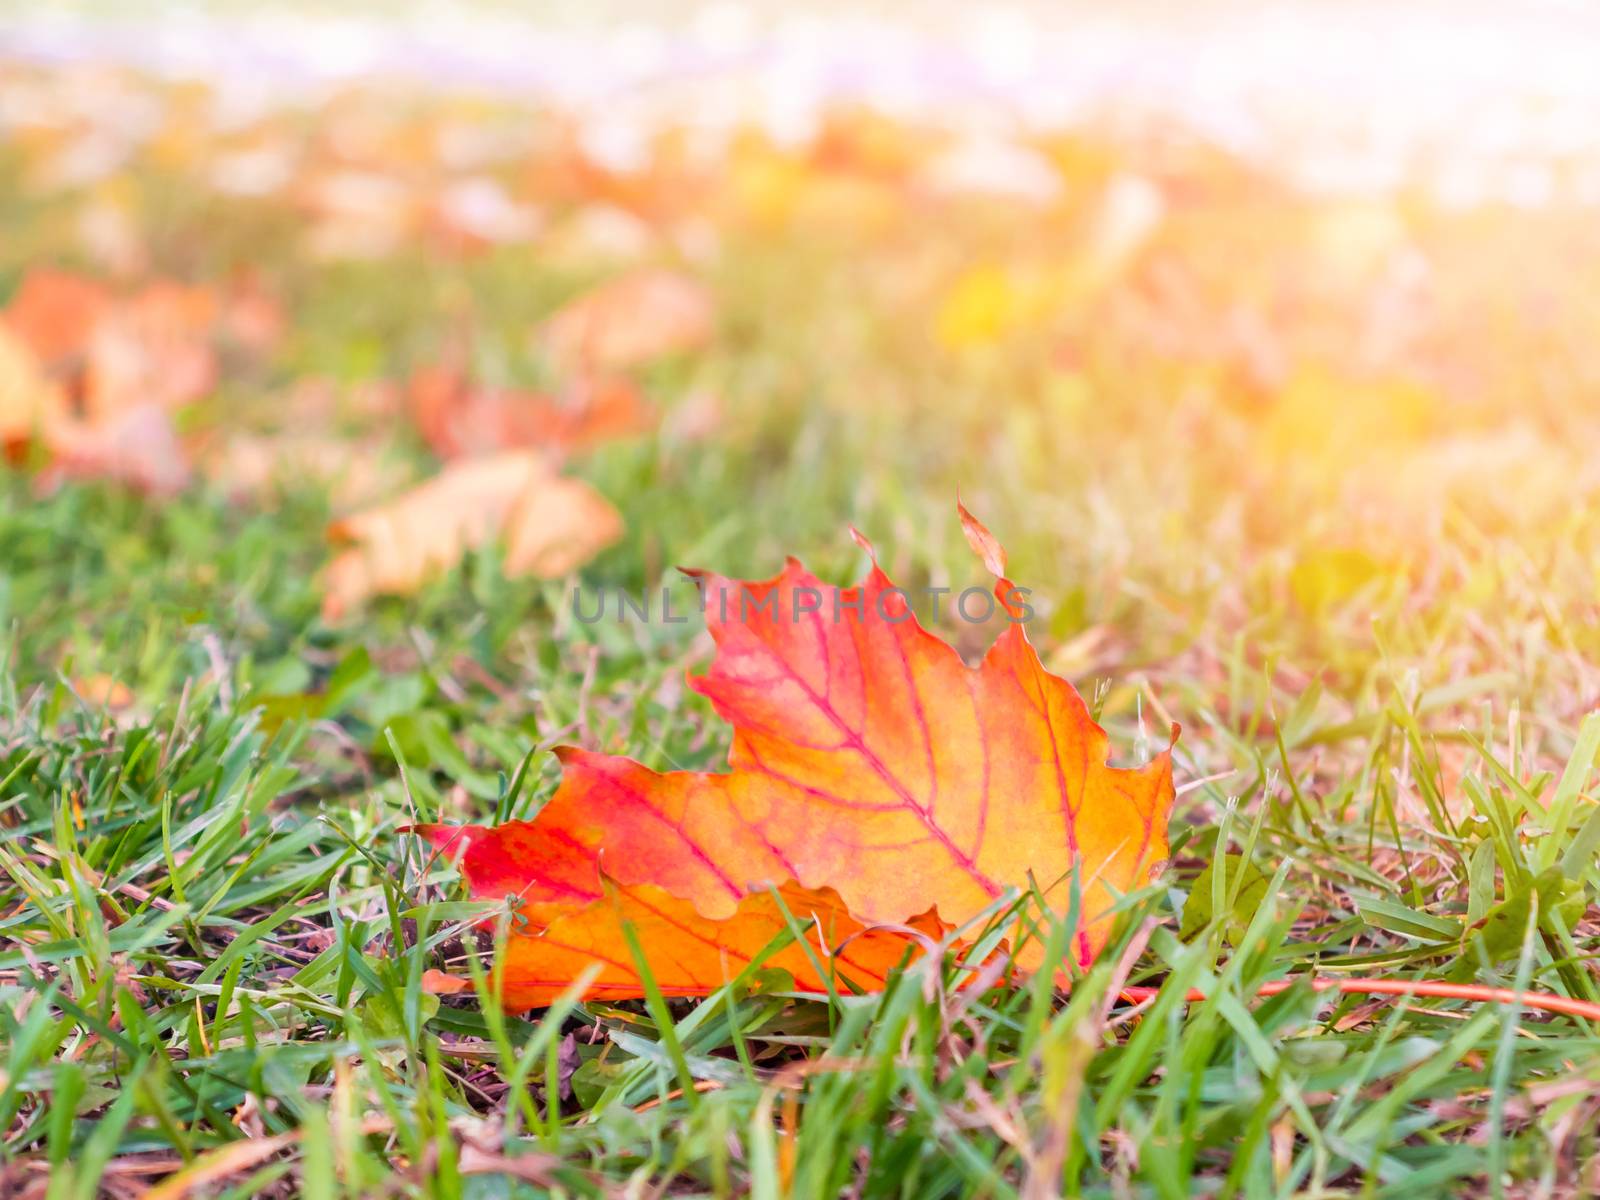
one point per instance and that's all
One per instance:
(691, 955)
(54, 313)
(252, 319)
(134, 445)
(568, 927)
(550, 525)
(441, 983)
(137, 447)
(257, 466)
(152, 347)
(113, 369)
(102, 691)
(155, 349)
(867, 758)
(984, 306)
(457, 419)
(630, 321)
(29, 403)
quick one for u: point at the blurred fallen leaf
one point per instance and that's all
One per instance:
(696, 417)
(457, 419)
(102, 691)
(439, 983)
(28, 401)
(630, 321)
(252, 319)
(155, 349)
(137, 446)
(255, 466)
(94, 376)
(55, 312)
(550, 525)
(984, 306)
(764, 186)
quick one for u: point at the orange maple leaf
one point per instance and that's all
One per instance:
(570, 926)
(867, 758)
(550, 525)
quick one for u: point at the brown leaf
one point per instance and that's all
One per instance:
(550, 525)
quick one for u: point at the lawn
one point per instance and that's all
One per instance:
(1312, 477)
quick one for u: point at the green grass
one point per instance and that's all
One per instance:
(200, 929)
(212, 934)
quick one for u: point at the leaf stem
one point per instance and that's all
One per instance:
(1538, 1001)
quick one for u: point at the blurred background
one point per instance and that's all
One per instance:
(1268, 342)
